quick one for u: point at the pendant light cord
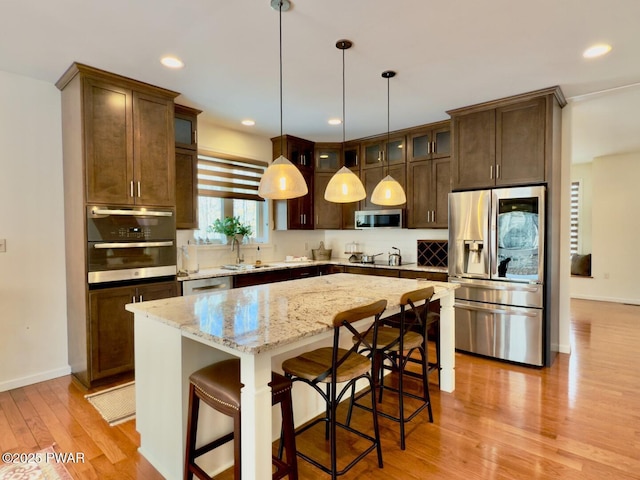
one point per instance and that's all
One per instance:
(388, 122)
(281, 139)
(343, 97)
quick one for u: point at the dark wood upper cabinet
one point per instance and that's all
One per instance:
(108, 139)
(328, 214)
(185, 122)
(351, 155)
(153, 150)
(429, 142)
(428, 187)
(297, 150)
(384, 150)
(186, 127)
(127, 134)
(297, 213)
(328, 157)
(505, 142)
(520, 138)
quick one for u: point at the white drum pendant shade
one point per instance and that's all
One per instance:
(344, 187)
(282, 180)
(388, 192)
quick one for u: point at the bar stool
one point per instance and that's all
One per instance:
(329, 366)
(398, 339)
(218, 386)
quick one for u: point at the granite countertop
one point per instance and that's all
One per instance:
(268, 266)
(264, 317)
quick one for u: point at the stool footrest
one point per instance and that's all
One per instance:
(215, 444)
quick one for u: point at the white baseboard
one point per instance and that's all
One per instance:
(31, 379)
(631, 301)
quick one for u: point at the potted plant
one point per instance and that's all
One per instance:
(232, 228)
(226, 226)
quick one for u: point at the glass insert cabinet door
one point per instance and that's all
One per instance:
(518, 220)
(383, 152)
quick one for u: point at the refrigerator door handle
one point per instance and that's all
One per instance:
(497, 287)
(466, 306)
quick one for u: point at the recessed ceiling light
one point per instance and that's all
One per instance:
(172, 62)
(335, 121)
(248, 123)
(596, 50)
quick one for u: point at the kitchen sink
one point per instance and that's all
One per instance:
(243, 267)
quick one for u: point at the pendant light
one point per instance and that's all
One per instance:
(388, 192)
(282, 180)
(345, 186)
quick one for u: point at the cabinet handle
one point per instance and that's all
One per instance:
(497, 171)
(433, 216)
(131, 188)
(429, 148)
(140, 298)
(491, 172)
(433, 147)
(138, 189)
(195, 136)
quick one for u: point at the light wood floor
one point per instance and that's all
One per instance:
(579, 419)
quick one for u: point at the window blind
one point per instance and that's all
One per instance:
(227, 176)
(575, 214)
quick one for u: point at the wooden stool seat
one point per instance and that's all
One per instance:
(218, 385)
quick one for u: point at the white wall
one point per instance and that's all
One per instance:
(614, 230)
(33, 325)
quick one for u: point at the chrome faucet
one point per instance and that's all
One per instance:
(236, 244)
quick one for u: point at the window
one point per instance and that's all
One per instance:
(228, 186)
(575, 215)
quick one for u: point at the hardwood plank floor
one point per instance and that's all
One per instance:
(579, 419)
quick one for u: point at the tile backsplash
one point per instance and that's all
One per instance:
(433, 253)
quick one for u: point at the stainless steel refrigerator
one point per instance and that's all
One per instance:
(496, 254)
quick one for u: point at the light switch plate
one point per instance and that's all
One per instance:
(3, 245)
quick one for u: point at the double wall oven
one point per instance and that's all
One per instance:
(125, 244)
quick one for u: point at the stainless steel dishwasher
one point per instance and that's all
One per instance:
(205, 285)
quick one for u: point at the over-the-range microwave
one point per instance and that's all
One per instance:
(365, 219)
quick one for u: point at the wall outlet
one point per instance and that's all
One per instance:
(3, 245)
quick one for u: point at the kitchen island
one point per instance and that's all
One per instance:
(262, 325)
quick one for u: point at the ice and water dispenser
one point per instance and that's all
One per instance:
(474, 257)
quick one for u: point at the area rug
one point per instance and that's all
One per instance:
(117, 404)
(37, 466)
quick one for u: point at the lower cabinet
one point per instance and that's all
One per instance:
(110, 335)
(272, 276)
(259, 278)
(434, 276)
(380, 272)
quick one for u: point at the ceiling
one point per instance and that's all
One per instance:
(446, 55)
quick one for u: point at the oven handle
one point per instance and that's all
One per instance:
(133, 244)
(131, 213)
